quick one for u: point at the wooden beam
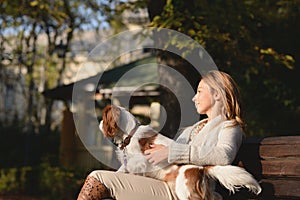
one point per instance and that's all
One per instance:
(281, 168)
(284, 188)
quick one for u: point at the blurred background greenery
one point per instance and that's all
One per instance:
(257, 42)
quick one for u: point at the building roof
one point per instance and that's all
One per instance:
(122, 77)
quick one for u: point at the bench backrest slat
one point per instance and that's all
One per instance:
(275, 162)
(287, 189)
(279, 151)
(281, 168)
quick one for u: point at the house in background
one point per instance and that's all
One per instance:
(82, 143)
(13, 89)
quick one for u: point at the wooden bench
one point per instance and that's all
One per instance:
(275, 163)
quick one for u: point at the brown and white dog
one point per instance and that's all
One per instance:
(188, 181)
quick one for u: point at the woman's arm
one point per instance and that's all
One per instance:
(159, 153)
(222, 153)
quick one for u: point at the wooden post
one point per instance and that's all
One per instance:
(67, 139)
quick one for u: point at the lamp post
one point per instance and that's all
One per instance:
(61, 49)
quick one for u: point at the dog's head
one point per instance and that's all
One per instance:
(117, 123)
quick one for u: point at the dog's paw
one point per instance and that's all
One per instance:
(137, 164)
(137, 168)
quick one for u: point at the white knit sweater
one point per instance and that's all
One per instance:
(216, 144)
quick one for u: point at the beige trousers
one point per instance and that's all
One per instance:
(132, 187)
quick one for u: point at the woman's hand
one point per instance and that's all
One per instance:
(157, 153)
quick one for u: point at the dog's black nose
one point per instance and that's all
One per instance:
(114, 142)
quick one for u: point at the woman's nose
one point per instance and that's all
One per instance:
(194, 98)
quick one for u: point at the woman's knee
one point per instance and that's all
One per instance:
(97, 174)
(101, 175)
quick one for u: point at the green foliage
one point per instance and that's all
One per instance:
(33, 168)
(44, 181)
(8, 181)
(255, 42)
(17, 180)
(59, 183)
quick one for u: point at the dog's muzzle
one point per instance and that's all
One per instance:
(114, 142)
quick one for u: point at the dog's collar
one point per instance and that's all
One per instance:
(126, 141)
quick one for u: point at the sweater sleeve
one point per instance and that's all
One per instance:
(222, 153)
(179, 150)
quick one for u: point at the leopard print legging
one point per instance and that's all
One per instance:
(93, 190)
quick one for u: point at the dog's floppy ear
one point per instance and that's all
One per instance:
(110, 117)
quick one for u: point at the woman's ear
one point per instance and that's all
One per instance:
(216, 96)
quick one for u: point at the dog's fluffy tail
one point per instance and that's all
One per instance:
(233, 178)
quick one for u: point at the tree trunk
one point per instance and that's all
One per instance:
(178, 81)
(176, 78)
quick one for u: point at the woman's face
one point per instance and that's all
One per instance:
(203, 99)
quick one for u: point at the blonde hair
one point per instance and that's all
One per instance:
(223, 84)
